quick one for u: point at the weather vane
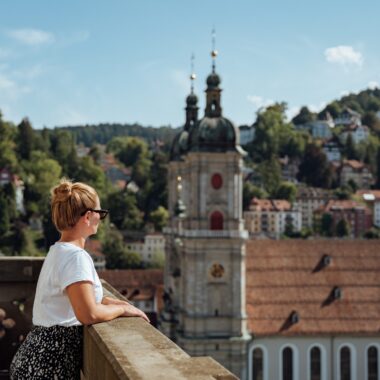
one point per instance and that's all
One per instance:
(192, 75)
(214, 52)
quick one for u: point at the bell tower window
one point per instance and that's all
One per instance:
(216, 221)
(216, 181)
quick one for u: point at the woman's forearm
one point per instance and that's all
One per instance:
(103, 313)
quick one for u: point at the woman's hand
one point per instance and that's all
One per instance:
(132, 311)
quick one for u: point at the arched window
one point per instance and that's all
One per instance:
(258, 362)
(345, 363)
(373, 363)
(287, 364)
(315, 364)
(216, 221)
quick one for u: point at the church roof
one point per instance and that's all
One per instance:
(340, 295)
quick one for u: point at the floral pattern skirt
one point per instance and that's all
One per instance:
(49, 353)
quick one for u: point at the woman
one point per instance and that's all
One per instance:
(69, 293)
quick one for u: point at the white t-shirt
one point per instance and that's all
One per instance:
(64, 264)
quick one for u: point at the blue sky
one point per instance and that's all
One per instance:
(79, 61)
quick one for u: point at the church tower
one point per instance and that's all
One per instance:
(205, 252)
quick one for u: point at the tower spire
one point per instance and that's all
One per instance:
(192, 75)
(214, 52)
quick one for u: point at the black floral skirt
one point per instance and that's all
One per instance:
(49, 353)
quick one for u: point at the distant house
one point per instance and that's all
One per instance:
(348, 117)
(357, 215)
(6, 177)
(358, 132)
(271, 217)
(332, 148)
(143, 287)
(94, 248)
(247, 134)
(289, 169)
(308, 200)
(148, 249)
(356, 171)
(319, 129)
(372, 200)
(116, 173)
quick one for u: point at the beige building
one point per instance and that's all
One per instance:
(352, 170)
(271, 217)
(149, 249)
(308, 200)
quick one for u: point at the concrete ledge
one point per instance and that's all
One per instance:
(130, 348)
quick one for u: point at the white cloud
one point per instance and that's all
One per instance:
(291, 112)
(259, 102)
(10, 89)
(66, 115)
(31, 37)
(343, 55)
(373, 84)
(317, 107)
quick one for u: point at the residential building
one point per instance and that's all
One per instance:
(309, 199)
(149, 249)
(289, 169)
(143, 287)
(271, 217)
(319, 129)
(372, 200)
(356, 171)
(94, 248)
(357, 215)
(348, 117)
(332, 148)
(358, 132)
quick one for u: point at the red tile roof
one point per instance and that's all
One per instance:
(285, 276)
(135, 284)
(270, 204)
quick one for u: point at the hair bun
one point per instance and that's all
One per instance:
(62, 191)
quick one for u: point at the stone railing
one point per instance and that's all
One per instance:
(125, 348)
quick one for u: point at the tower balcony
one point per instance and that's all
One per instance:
(125, 348)
(236, 234)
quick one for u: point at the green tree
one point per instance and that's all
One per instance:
(315, 169)
(25, 139)
(4, 216)
(131, 260)
(270, 172)
(350, 148)
(159, 218)
(288, 191)
(342, 228)
(114, 249)
(251, 191)
(326, 225)
(304, 116)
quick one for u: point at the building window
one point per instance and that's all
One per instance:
(216, 221)
(345, 363)
(258, 363)
(315, 364)
(216, 181)
(373, 363)
(287, 364)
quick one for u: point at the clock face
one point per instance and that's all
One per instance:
(216, 181)
(217, 270)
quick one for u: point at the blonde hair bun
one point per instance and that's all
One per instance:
(69, 200)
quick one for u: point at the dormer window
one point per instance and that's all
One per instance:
(294, 317)
(326, 260)
(337, 293)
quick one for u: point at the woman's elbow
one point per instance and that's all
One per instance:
(87, 318)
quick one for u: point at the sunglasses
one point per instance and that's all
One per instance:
(102, 213)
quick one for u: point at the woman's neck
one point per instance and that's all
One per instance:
(73, 238)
